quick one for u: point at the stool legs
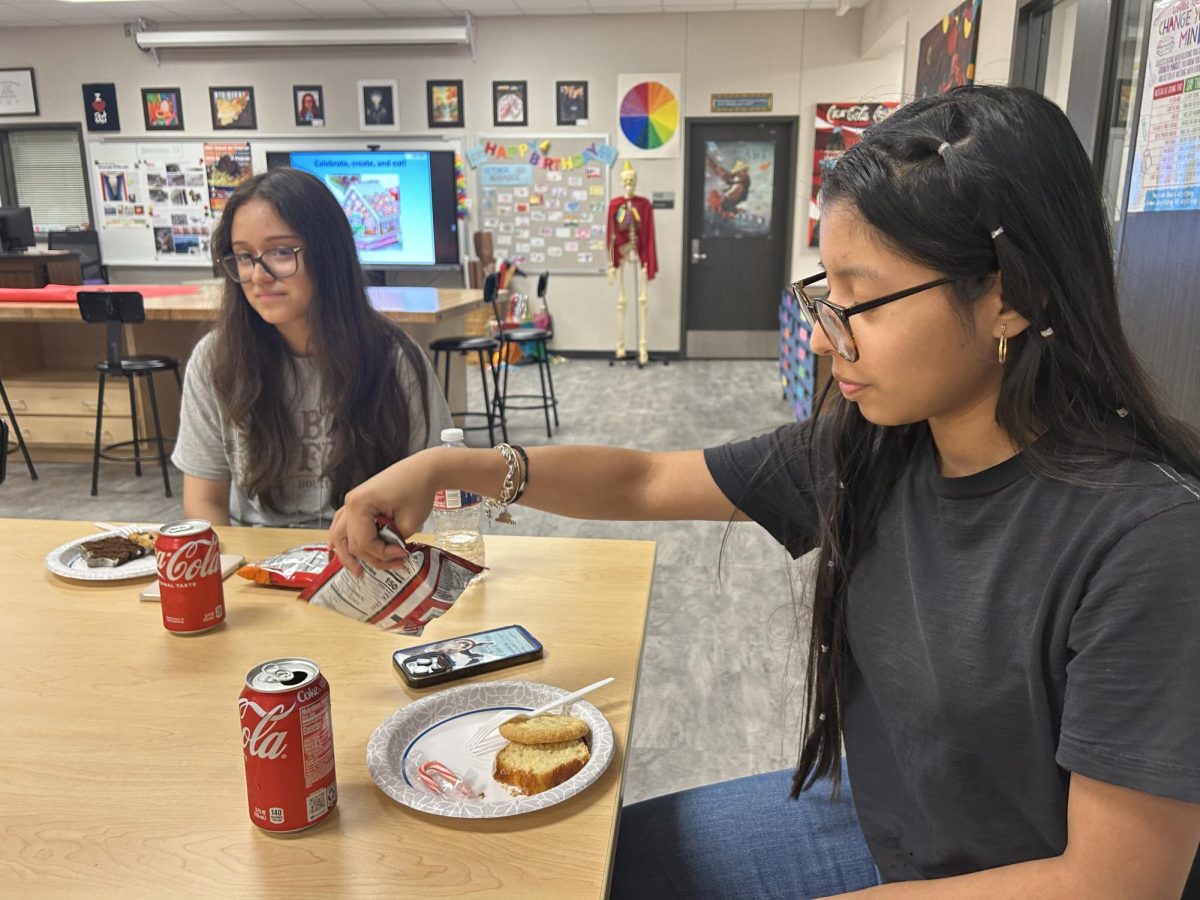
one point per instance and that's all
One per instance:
(162, 453)
(16, 427)
(550, 378)
(99, 426)
(545, 404)
(487, 403)
(137, 449)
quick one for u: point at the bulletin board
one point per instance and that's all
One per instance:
(544, 198)
(157, 201)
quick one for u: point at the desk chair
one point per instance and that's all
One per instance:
(87, 245)
(483, 347)
(522, 334)
(16, 427)
(114, 310)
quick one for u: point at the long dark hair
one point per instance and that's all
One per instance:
(935, 181)
(357, 350)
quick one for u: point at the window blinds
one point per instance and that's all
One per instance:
(48, 172)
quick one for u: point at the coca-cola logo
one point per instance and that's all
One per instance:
(190, 562)
(308, 693)
(263, 741)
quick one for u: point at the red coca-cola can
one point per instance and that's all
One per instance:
(287, 739)
(189, 576)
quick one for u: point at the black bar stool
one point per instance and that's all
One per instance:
(483, 347)
(545, 401)
(115, 309)
(16, 427)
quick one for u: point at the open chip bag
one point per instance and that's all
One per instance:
(404, 599)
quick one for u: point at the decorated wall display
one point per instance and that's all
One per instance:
(100, 107)
(162, 109)
(18, 93)
(177, 189)
(232, 108)
(544, 199)
(309, 102)
(226, 166)
(377, 106)
(649, 107)
(838, 127)
(510, 103)
(947, 53)
(444, 104)
(122, 196)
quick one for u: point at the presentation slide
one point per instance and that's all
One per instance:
(388, 199)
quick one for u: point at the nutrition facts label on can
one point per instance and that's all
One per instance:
(316, 736)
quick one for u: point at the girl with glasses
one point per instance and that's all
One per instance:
(302, 390)
(1005, 619)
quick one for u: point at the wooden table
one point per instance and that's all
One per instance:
(47, 355)
(121, 769)
(36, 268)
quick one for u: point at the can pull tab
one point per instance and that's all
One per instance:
(284, 676)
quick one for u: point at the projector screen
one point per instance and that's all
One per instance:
(400, 204)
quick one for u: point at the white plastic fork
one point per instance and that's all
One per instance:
(487, 739)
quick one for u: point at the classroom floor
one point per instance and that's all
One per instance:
(721, 676)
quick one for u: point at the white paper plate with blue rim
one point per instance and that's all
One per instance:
(438, 728)
(67, 561)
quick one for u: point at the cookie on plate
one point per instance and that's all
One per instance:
(545, 729)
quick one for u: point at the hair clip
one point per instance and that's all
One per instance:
(1122, 411)
(1047, 332)
(999, 231)
(942, 148)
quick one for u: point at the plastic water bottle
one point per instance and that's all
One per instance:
(456, 513)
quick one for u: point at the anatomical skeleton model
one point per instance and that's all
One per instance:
(630, 241)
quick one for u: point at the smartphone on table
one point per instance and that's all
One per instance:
(471, 654)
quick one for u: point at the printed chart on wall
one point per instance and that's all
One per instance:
(648, 107)
(838, 127)
(1166, 162)
(544, 199)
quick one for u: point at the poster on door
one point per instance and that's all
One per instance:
(1166, 160)
(739, 188)
(838, 127)
(122, 198)
(178, 193)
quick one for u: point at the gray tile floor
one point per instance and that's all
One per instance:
(720, 683)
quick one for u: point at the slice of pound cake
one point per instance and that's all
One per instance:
(533, 768)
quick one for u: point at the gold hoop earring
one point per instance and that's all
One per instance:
(1003, 344)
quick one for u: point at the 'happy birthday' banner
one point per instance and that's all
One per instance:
(538, 155)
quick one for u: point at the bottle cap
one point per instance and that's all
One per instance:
(452, 435)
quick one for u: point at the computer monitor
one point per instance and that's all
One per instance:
(16, 228)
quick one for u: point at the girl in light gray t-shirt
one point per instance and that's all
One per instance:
(302, 390)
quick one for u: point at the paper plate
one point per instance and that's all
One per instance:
(440, 725)
(67, 561)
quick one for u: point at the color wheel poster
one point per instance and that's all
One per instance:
(1166, 161)
(839, 126)
(649, 109)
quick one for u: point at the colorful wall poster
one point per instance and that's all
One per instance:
(177, 190)
(649, 107)
(1166, 159)
(100, 107)
(838, 127)
(739, 187)
(947, 52)
(122, 196)
(226, 165)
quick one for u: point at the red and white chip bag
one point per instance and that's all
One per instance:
(404, 599)
(296, 568)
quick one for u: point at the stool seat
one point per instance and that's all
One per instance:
(140, 363)
(464, 342)
(528, 334)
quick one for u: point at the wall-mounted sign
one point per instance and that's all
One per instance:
(741, 103)
(662, 199)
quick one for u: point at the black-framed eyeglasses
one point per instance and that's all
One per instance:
(834, 320)
(278, 262)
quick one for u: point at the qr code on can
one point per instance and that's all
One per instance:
(276, 815)
(318, 804)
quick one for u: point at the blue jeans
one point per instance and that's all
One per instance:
(743, 838)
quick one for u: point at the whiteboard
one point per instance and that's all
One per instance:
(126, 179)
(549, 218)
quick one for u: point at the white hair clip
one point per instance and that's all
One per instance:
(1047, 332)
(943, 147)
(1122, 411)
(999, 231)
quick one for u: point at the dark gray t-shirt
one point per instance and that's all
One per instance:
(1005, 631)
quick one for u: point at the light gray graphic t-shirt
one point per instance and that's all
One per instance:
(210, 446)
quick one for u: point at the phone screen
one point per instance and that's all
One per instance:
(457, 656)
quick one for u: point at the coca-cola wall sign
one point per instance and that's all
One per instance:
(838, 127)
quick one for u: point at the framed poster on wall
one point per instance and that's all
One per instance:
(946, 57)
(839, 126)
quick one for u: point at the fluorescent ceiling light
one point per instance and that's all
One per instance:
(102, 1)
(299, 37)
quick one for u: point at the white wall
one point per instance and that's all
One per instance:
(801, 57)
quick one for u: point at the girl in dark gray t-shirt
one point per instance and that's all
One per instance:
(1006, 612)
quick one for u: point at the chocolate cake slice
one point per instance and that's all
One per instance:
(111, 550)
